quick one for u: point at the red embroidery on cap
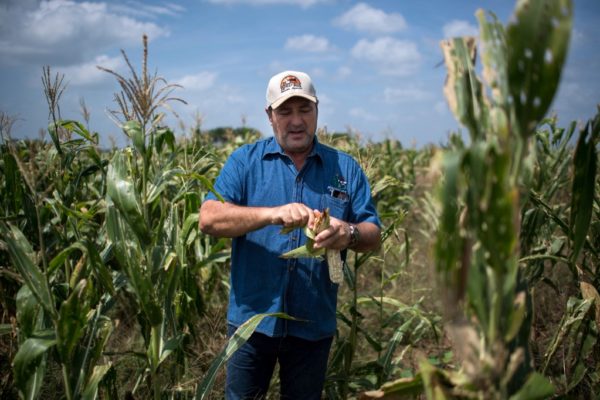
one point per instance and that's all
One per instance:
(290, 82)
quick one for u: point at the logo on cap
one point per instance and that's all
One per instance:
(290, 82)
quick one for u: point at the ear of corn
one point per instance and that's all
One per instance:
(334, 258)
(336, 268)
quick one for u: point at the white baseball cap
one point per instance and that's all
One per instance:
(288, 84)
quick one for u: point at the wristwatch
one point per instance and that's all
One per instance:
(354, 235)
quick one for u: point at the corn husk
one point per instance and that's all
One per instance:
(333, 257)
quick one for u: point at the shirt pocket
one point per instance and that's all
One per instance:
(338, 207)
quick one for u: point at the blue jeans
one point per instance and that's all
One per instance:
(302, 367)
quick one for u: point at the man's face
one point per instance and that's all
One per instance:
(294, 124)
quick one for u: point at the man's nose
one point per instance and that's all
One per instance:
(296, 118)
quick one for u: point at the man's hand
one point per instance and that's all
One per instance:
(336, 237)
(292, 215)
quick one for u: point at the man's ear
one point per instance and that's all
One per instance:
(269, 112)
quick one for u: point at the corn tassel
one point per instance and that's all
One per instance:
(334, 258)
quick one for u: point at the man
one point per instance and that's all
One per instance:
(275, 183)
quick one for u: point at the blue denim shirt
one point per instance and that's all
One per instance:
(261, 175)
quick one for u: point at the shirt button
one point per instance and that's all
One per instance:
(298, 179)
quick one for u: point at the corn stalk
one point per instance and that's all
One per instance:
(477, 248)
(477, 252)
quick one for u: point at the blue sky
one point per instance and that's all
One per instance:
(375, 64)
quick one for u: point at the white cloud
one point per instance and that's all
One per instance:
(87, 73)
(308, 43)
(139, 9)
(301, 3)
(390, 56)
(393, 95)
(457, 28)
(365, 18)
(200, 81)
(64, 32)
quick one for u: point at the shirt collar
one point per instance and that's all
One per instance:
(273, 147)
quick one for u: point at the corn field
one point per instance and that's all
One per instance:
(486, 284)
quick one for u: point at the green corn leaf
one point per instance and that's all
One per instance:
(303, 252)
(121, 190)
(349, 276)
(397, 389)
(536, 387)
(78, 128)
(20, 253)
(93, 153)
(384, 183)
(386, 360)
(163, 180)
(169, 346)
(494, 60)
(537, 43)
(129, 254)
(28, 311)
(341, 317)
(463, 90)
(155, 347)
(189, 228)
(336, 360)
(382, 300)
(72, 320)
(578, 372)
(103, 330)
(214, 257)
(31, 389)
(576, 311)
(239, 337)
(448, 246)
(516, 317)
(478, 289)
(54, 135)
(61, 257)
(29, 357)
(91, 389)
(133, 130)
(582, 199)
(164, 136)
(208, 184)
(99, 268)
(12, 183)
(493, 57)
(435, 381)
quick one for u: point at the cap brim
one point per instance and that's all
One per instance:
(283, 99)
